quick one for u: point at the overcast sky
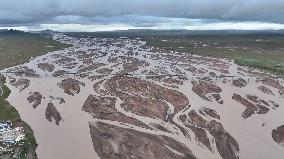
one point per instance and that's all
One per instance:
(94, 15)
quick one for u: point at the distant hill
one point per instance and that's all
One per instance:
(134, 33)
(11, 31)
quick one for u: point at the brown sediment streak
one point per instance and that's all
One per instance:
(135, 101)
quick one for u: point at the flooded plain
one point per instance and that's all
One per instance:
(120, 91)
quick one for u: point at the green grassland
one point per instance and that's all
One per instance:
(265, 52)
(15, 48)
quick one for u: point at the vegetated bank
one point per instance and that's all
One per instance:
(9, 113)
(258, 50)
(17, 47)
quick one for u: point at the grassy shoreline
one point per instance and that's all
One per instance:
(9, 113)
(17, 48)
(265, 53)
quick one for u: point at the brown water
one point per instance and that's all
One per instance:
(70, 140)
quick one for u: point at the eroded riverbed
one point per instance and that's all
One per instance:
(126, 92)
